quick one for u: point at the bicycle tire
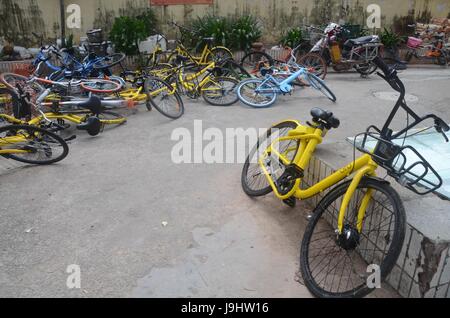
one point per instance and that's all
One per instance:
(13, 130)
(366, 69)
(115, 86)
(116, 59)
(320, 85)
(215, 84)
(253, 61)
(111, 118)
(230, 68)
(175, 108)
(251, 165)
(315, 63)
(245, 98)
(394, 240)
(218, 54)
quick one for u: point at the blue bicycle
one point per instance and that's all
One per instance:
(91, 66)
(262, 93)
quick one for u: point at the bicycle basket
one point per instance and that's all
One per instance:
(404, 163)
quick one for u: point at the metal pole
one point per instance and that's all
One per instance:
(62, 9)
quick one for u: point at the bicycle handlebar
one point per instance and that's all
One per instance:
(390, 75)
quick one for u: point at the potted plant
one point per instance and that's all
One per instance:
(391, 42)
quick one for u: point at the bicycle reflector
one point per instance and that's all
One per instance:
(404, 163)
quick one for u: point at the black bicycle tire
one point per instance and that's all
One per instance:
(37, 162)
(268, 189)
(159, 109)
(394, 250)
(211, 101)
(324, 86)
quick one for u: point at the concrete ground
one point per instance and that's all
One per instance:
(139, 225)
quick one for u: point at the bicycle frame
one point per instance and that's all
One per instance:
(200, 60)
(79, 69)
(7, 141)
(309, 138)
(187, 82)
(283, 86)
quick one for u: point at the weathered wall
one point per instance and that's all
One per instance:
(275, 15)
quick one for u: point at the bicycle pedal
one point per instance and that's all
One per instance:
(288, 179)
(294, 171)
(149, 106)
(291, 202)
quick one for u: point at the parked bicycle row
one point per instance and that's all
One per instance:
(359, 222)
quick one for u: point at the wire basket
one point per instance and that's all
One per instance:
(404, 163)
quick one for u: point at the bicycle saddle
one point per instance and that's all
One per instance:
(364, 40)
(209, 39)
(93, 126)
(325, 117)
(94, 104)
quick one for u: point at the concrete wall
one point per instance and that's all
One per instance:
(274, 15)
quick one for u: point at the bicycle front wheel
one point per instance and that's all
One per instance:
(219, 54)
(320, 85)
(164, 97)
(220, 91)
(31, 144)
(101, 86)
(257, 93)
(334, 265)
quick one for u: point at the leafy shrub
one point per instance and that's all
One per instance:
(150, 20)
(390, 39)
(128, 31)
(244, 31)
(234, 33)
(209, 26)
(292, 38)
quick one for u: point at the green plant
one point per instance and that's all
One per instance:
(390, 39)
(244, 31)
(126, 34)
(209, 26)
(235, 33)
(292, 38)
(150, 20)
(69, 41)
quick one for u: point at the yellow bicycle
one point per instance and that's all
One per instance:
(215, 90)
(209, 53)
(30, 144)
(360, 223)
(27, 98)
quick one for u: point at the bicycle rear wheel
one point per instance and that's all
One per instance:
(254, 61)
(109, 61)
(315, 64)
(36, 145)
(334, 265)
(164, 97)
(253, 180)
(219, 54)
(320, 85)
(101, 86)
(256, 93)
(220, 91)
